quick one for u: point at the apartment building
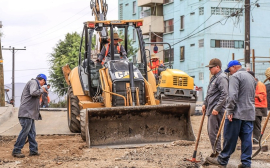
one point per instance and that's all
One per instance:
(173, 21)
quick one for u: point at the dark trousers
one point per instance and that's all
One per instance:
(257, 127)
(28, 130)
(44, 102)
(212, 128)
(233, 130)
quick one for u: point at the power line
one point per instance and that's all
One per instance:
(26, 69)
(50, 28)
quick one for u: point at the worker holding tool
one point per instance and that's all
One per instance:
(118, 49)
(214, 104)
(240, 110)
(28, 113)
(260, 108)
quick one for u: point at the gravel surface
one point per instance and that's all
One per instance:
(71, 151)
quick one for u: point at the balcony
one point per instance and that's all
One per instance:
(156, 22)
(149, 3)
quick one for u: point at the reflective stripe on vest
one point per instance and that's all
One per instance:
(107, 50)
(108, 46)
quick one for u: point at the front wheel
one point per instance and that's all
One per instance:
(73, 112)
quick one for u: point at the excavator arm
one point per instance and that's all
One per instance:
(99, 10)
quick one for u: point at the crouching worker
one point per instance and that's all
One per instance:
(28, 113)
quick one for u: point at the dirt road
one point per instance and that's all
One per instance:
(70, 151)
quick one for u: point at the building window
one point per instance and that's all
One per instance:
(201, 76)
(201, 43)
(134, 7)
(126, 4)
(134, 35)
(227, 44)
(225, 11)
(145, 12)
(192, 45)
(201, 10)
(168, 26)
(121, 12)
(182, 53)
(166, 55)
(192, 13)
(167, 1)
(182, 18)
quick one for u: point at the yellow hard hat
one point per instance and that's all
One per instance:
(115, 36)
(154, 56)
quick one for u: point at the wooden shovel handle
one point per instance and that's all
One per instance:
(199, 133)
(221, 124)
(265, 124)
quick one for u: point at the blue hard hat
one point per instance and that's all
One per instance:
(232, 63)
(43, 77)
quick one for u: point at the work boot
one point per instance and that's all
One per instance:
(18, 155)
(214, 161)
(243, 166)
(34, 154)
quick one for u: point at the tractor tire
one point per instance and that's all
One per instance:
(82, 121)
(73, 111)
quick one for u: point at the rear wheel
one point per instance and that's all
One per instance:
(73, 112)
(82, 120)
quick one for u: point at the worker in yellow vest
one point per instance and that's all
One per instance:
(155, 63)
(118, 49)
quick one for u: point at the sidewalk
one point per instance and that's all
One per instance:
(8, 118)
(6, 113)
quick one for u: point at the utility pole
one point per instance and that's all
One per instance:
(13, 69)
(2, 91)
(247, 34)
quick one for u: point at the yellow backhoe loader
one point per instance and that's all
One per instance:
(114, 103)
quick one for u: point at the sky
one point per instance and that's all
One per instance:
(38, 26)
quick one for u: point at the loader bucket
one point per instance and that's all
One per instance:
(138, 124)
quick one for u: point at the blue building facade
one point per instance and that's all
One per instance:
(173, 21)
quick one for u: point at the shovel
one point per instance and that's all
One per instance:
(197, 142)
(214, 154)
(260, 139)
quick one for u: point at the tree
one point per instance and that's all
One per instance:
(65, 52)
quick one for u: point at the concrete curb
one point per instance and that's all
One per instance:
(53, 109)
(6, 113)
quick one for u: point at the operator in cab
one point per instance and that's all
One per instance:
(118, 49)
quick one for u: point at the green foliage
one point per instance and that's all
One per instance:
(65, 52)
(61, 104)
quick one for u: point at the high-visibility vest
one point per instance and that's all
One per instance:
(107, 50)
(155, 66)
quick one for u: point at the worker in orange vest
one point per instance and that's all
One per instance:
(155, 63)
(118, 49)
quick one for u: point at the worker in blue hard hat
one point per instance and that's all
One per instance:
(28, 113)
